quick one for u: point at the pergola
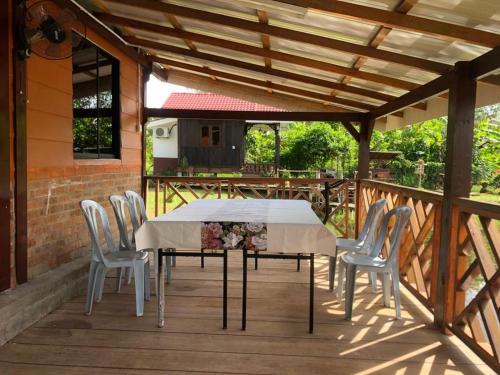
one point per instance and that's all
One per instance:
(372, 64)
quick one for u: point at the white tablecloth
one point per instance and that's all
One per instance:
(292, 226)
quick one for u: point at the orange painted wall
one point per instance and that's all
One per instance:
(56, 181)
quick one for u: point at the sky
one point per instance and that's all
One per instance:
(158, 91)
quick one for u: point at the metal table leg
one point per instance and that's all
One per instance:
(224, 292)
(244, 296)
(160, 282)
(311, 293)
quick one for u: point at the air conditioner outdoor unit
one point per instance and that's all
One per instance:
(162, 133)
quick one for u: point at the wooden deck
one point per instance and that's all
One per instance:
(113, 340)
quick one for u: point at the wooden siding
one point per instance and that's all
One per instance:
(210, 157)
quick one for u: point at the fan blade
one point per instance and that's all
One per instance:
(52, 51)
(66, 16)
(36, 36)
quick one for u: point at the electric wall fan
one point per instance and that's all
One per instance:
(50, 31)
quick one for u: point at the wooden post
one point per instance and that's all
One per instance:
(457, 180)
(277, 143)
(145, 74)
(364, 148)
(20, 146)
(6, 90)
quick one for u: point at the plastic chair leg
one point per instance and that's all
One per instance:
(349, 290)
(119, 272)
(373, 281)
(147, 282)
(397, 297)
(174, 260)
(128, 275)
(101, 276)
(139, 287)
(340, 282)
(386, 287)
(91, 287)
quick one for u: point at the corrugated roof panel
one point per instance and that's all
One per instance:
(430, 48)
(139, 13)
(220, 31)
(397, 71)
(312, 52)
(319, 23)
(483, 14)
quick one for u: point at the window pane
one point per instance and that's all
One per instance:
(105, 81)
(96, 120)
(205, 136)
(215, 135)
(106, 136)
(85, 136)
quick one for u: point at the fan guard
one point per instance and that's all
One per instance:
(52, 32)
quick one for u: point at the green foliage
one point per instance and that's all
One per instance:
(328, 145)
(149, 152)
(259, 146)
(318, 145)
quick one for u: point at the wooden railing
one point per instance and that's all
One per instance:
(164, 194)
(418, 254)
(473, 294)
(259, 169)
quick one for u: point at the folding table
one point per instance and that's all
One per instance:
(276, 228)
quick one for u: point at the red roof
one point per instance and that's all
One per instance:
(214, 102)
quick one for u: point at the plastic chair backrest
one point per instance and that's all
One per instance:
(402, 215)
(372, 224)
(372, 221)
(138, 209)
(90, 211)
(120, 204)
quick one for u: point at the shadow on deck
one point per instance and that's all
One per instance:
(113, 340)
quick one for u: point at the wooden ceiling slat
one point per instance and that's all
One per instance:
(298, 36)
(396, 20)
(266, 40)
(257, 51)
(265, 84)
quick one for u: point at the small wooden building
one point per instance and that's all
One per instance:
(204, 145)
(212, 144)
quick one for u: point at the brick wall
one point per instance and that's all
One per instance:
(57, 232)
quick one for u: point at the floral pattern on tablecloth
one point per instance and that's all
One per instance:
(231, 236)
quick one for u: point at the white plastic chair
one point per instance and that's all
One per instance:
(102, 261)
(360, 245)
(373, 262)
(127, 243)
(138, 216)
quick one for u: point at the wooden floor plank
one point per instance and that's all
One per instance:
(112, 340)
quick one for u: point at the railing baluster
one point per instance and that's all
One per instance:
(157, 195)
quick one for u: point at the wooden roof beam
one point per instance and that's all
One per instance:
(396, 20)
(265, 84)
(257, 51)
(298, 36)
(251, 115)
